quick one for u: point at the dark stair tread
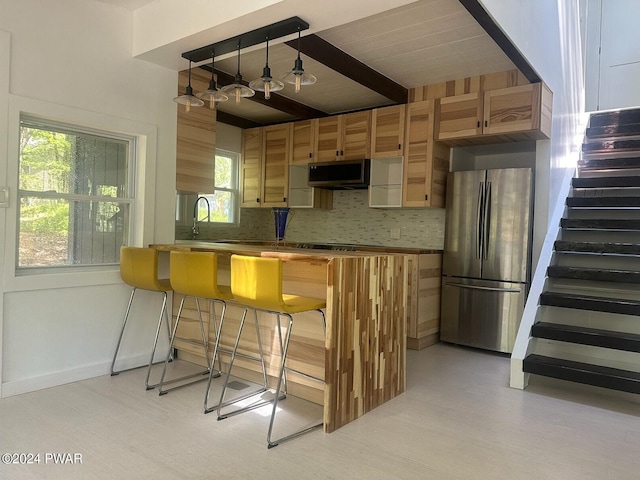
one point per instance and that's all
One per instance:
(609, 163)
(606, 131)
(610, 146)
(596, 375)
(597, 247)
(622, 306)
(616, 117)
(600, 224)
(606, 182)
(596, 274)
(603, 202)
(629, 342)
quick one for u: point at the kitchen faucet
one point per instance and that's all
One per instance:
(194, 230)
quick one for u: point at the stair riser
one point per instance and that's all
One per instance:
(581, 377)
(626, 214)
(618, 277)
(629, 291)
(601, 262)
(589, 318)
(626, 181)
(596, 340)
(617, 117)
(586, 307)
(597, 248)
(603, 202)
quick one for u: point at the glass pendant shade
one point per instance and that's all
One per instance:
(212, 94)
(237, 89)
(298, 76)
(189, 99)
(266, 83)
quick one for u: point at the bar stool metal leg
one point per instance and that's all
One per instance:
(162, 382)
(281, 377)
(235, 354)
(216, 353)
(163, 315)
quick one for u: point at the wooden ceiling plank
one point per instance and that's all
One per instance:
(334, 58)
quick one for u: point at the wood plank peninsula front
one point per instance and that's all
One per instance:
(363, 355)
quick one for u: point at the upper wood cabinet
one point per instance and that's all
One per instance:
(387, 131)
(507, 114)
(264, 168)
(343, 137)
(275, 166)
(303, 142)
(426, 163)
(195, 147)
(251, 167)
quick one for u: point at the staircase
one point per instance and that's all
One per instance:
(587, 326)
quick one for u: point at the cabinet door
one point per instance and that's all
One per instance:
(195, 147)
(459, 116)
(356, 131)
(302, 142)
(251, 167)
(328, 138)
(387, 135)
(418, 157)
(513, 109)
(275, 166)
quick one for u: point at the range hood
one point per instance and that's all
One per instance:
(340, 175)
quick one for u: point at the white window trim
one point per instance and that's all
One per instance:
(142, 224)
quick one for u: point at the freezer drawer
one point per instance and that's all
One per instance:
(480, 313)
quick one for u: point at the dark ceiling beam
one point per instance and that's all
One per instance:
(277, 102)
(234, 120)
(339, 61)
(489, 25)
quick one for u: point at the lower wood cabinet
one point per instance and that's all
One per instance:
(423, 300)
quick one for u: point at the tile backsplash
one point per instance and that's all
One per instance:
(350, 221)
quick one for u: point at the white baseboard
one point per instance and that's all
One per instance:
(32, 384)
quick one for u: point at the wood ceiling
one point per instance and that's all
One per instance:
(371, 62)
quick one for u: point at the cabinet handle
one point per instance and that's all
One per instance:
(258, 200)
(341, 152)
(310, 155)
(486, 123)
(284, 199)
(426, 197)
(337, 153)
(478, 124)
(399, 146)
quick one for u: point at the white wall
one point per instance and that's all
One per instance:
(71, 60)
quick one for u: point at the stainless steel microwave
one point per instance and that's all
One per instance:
(340, 175)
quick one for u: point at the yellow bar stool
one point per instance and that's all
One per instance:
(195, 274)
(139, 269)
(256, 283)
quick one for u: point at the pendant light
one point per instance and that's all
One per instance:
(212, 94)
(266, 83)
(237, 89)
(298, 76)
(188, 99)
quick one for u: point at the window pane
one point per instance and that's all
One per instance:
(72, 163)
(224, 172)
(56, 232)
(222, 206)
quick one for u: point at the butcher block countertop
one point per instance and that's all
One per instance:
(362, 357)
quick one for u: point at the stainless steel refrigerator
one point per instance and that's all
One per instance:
(487, 256)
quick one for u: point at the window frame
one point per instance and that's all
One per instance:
(143, 230)
(35, 122)
(186, 200)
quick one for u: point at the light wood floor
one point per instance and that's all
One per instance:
(457, 420)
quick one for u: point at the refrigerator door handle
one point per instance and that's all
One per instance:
(479, 221)
(477, 287)
(487, 221)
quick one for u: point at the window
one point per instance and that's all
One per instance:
(222, 203)
(75, 194)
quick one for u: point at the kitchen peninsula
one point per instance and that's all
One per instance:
(363, 355)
